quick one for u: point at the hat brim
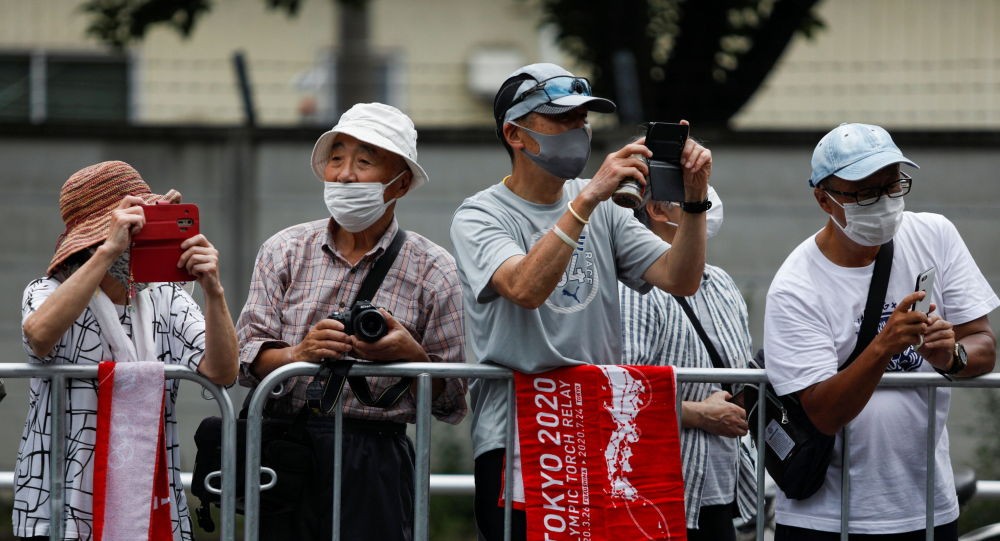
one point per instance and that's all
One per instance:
(321, 152)
(89, 231)
(593, 103)
(869, 165)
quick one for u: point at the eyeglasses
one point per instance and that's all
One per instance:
(557, 87)
(870, 196)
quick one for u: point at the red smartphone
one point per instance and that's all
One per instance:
(156, 248)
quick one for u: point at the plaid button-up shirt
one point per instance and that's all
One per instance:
(299, 279)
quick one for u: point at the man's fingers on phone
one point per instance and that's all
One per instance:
(907, 303)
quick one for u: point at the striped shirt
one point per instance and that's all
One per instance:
(299, 279)
(656, 331)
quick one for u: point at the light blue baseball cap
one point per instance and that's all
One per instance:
(547, 89)
(853, 152)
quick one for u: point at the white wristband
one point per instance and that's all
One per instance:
(563, 236)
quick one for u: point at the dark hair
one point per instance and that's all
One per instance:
(502, 102)
(641, 215)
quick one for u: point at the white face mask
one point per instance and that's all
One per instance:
(357, 205)
(871, 225)
(713, 218)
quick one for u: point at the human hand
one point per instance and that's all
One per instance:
(624, 163)
(397, 344)
(939, 342)
(325, 340)
(696, 163)
(127, 219)
(905, 327)
(720, 417)
(201, 260)
(173, 196)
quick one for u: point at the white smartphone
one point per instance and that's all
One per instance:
(925, 283)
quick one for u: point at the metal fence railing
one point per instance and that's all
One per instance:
(425, 483)
(57, 451)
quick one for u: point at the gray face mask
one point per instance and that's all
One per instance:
(563, 154)
(120, 271)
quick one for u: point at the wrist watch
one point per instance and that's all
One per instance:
(959, 359)
(696, 207)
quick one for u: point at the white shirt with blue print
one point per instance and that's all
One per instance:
(813, 313)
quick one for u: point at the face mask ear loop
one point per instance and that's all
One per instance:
(834, 218)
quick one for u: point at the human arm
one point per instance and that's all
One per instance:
(43, 328)
(528, 279)
(715, 415)
(976, 337)
(679, 270)
(431, 330)
(834, 402)
(219, 363)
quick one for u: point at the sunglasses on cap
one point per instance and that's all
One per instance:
(557, 87)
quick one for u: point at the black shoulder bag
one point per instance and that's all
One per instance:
(285, 445)
(796, 453)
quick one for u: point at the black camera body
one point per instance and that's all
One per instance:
(666, 179)
(363, 320)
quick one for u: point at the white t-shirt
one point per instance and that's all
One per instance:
(813, 314)
(577, 324)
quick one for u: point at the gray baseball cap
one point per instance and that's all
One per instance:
(547, 89)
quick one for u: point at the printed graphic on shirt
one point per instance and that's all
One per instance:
(579, 283)
(907, 361)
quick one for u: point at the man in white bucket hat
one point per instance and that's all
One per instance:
(308, 272)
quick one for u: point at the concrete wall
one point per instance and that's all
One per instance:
(761, 177)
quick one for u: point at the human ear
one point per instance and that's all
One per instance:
(656, 212)
(512, 134)
(823, 199)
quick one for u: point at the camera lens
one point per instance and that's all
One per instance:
(369, 325)
(628, 194)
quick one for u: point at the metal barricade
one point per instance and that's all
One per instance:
(422, 373)
(58, 374)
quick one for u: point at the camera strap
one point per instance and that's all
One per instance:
(333, 373)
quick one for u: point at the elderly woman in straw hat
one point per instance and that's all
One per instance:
(68, 316)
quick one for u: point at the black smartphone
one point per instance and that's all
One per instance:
(666, 180)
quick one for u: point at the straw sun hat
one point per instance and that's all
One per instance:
(86, 201)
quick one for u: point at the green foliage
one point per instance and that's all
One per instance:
(700, 60)
(120, 23)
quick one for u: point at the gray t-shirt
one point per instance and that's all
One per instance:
(577, 324)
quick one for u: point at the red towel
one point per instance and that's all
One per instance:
(131, 487)
(600, 453)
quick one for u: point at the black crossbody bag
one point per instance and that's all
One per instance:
(285, 445)
(796, 453)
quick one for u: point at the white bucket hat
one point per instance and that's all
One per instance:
(376, 124)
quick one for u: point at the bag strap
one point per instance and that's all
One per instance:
(709, 346)
(376, 275)
(333, 374)
(876, 300)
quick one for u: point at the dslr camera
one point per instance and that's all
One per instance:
(363, 320)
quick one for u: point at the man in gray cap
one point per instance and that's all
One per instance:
(814, 310)
(541, 251)
(302, 275)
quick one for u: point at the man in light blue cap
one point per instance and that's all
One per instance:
(814, 310)
(540, 254)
